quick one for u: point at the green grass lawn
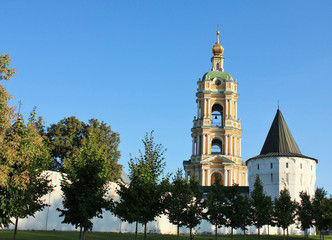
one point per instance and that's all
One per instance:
(52, 235)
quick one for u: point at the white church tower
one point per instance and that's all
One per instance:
(281, 165)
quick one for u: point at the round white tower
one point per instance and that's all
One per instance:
(281, 165)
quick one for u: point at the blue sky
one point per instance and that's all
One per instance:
(135, 64)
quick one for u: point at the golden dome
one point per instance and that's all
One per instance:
(217, 49)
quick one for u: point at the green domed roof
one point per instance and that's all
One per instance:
(218, 74)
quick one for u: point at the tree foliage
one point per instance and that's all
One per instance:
(146, 191)
(7, 112)
(23, 158)
(85, 180)
(177, 200)
(216, 206)
(65, 140)
(322, 207)
(285, 210)
(236, 209)
(193, 211)
(305, 211)
(261, 205)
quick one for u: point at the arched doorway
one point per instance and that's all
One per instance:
(216, 176)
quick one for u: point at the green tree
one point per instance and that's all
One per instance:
(285, 210)
(23, 159)
(85, 181)
(305, 212)
(234, 207)
(65, 140)
(244, 214)
(177, 199)
(260, 204)
(327, 212)
(126, 208)
(193, 211)
(7, 112)
(147, 189)
(322, 211)
(216, 206)
(6, 117)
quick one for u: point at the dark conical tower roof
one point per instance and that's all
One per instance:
(279, 141)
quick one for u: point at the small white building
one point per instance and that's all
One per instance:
(280, 164)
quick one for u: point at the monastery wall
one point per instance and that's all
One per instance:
(49, 220)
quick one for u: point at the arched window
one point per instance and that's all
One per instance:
(216, 147)
(217, 115)
(218, 66)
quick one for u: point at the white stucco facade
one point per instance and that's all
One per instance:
(49, 220)
(276, 173)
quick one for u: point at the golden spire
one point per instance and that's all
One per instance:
(217, 49)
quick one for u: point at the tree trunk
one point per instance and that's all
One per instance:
(268, 232)
(259, 235)
(83, 234)
(216, 231)
(232, 233)
(80, 233)
(178, 232)
(284, 234)
(245, 236)
(145, 231)
(15, 231)
(287, 233)
(136, 231)
(190, 229)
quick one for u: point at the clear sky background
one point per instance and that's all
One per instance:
(135, 64)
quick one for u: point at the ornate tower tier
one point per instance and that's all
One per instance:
(216, 132)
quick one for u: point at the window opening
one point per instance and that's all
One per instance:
(216, 147)
(217, 115)
(287, 165)
(258, 166)
(271, 165)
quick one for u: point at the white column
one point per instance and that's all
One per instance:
(197, 108)
(208, 144)
(208, 179)
(203, 143)
(239, 146)
(230, 145)
(198, 145)
(225, 177)
(226, 144)
(235, 147)
(206, 108)
(209, 108)
(230, 108)
(230, 178)
(227, 103)
(193, 145)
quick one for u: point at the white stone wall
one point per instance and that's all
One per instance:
(295, 173)
(49, 219)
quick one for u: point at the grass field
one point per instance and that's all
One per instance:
(43, 235)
